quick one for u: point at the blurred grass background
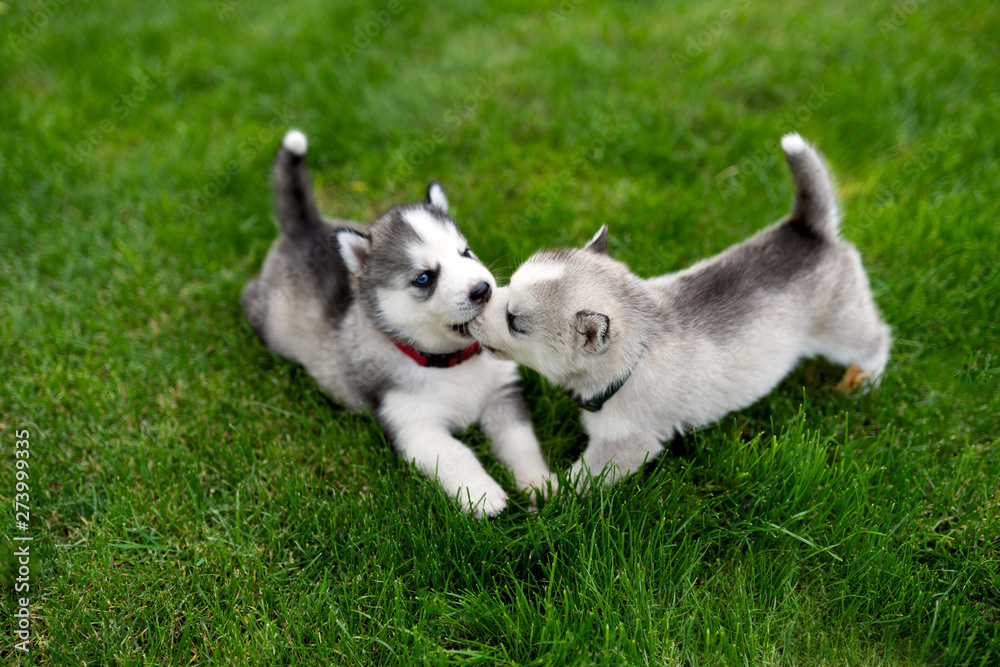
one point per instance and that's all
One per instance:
(197, 501)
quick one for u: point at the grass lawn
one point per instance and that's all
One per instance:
(196, 500)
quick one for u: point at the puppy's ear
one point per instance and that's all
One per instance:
(354, 249)
(599, 243)
(594, 330)
(435, 196)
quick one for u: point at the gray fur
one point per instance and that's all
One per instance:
(390, 266)
(305, 259)
(696, 344)
(294, 204)
(718, 298)
(599, 243)
(511, 400)
(337, 297)
(306, 266)
(595, 328)
(815, 198)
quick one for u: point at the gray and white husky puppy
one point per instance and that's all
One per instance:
(650, 358)
(378, 316)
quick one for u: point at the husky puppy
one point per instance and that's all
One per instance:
(378, 316)
(647, 359)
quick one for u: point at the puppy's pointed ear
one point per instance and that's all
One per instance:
(354, 248)
(599, 243)
(435, 196)
(594, 330)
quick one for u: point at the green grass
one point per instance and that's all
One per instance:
(195, 500)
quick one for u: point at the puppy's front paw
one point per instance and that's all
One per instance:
(543, 485)
(585, 478)
(534, 480)
(485, 498)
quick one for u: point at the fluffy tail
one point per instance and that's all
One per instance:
(293, 198)
(815, 199)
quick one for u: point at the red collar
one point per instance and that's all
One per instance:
(440, 360)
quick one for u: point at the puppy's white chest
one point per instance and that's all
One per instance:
(454, 396)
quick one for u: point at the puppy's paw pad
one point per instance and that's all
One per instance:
(853, 378)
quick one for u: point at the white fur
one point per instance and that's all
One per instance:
(296, 142)
(682, 379)
(428, 405)
(793, 143)
(419, 407)
(684, 372)
(425, 406)
(436, 194)
(354, 250)
(440, 249)
(541, 271)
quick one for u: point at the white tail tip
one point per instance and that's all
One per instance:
(295, 142)
(793, 143)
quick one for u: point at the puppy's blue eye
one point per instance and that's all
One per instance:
(422, 280)
(467, 253)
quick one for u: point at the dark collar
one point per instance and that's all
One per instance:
(440, 360)
(597, 402)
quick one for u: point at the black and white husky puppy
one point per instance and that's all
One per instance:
(379, 316)
(647, 359)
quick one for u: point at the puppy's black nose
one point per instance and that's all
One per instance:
(481, 292)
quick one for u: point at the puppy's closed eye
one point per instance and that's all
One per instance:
(515, 323)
